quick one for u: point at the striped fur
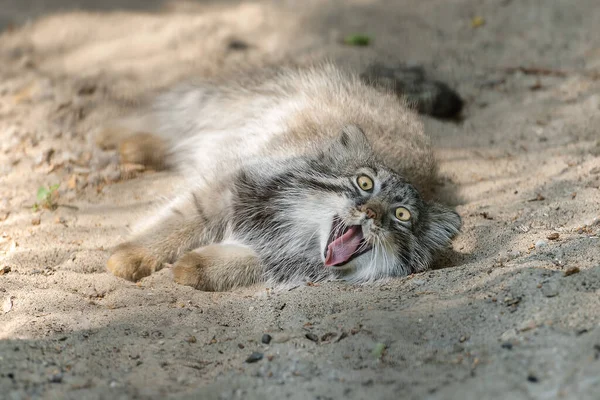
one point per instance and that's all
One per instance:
(271, 162)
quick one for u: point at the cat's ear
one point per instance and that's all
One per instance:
(439, 226)
(350, 142)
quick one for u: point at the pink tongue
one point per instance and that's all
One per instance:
(342, 248)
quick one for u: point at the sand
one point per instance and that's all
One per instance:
(513, 312)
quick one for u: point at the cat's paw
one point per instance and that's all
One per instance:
(189, 270)
(144, 148)
(134, 147)
(132, 262)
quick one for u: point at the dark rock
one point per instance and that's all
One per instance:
(312, 337)
(254, 357)
(266, 338)
(507, 345)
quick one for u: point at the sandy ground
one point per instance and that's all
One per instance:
(513, 313)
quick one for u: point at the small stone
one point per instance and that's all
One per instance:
(572, 270)
(36, 220)
(254, 357)
(59, 220)
(532, 378)
(266, 338)
(5, 269)
(281, 338)
(7, 305)
(463, 338)
(550, 289)
(237, 44)
(507, 345)
(510, 334)
(241, 346)
(312, 337)
(553, 236)
(540, 243)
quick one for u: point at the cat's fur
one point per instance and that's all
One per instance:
(272, 162)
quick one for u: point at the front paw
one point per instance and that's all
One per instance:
(189, 270)
(132, 262)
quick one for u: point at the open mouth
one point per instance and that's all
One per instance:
(344, 244)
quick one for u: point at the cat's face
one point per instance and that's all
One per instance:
(338, 210)
(372, 222)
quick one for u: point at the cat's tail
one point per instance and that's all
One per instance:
(425, 95)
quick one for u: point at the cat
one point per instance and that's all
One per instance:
(293, 175)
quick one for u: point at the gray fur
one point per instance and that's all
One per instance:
(273, 160)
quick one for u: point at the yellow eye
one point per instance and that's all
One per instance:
(365, 183)
(402, 214)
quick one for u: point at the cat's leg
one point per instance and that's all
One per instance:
(218, 267)
(180, 227)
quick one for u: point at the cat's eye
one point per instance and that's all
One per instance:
(365, 183)
(402, 214)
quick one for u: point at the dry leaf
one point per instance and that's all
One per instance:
(72, 183)
(477, 21)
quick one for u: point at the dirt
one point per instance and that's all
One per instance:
(514, 312)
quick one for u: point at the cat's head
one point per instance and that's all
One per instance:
(372, 222)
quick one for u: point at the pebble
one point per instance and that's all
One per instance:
(540, 243)
(507, 345)
(550, 289)
(7, 305)
(553, 236)
(311, 336)
(282, 338)
(572, 270)
(36, 220)
(266, 338)
(254, 357)
(509, 335)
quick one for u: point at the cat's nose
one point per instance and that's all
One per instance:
(371, 214)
